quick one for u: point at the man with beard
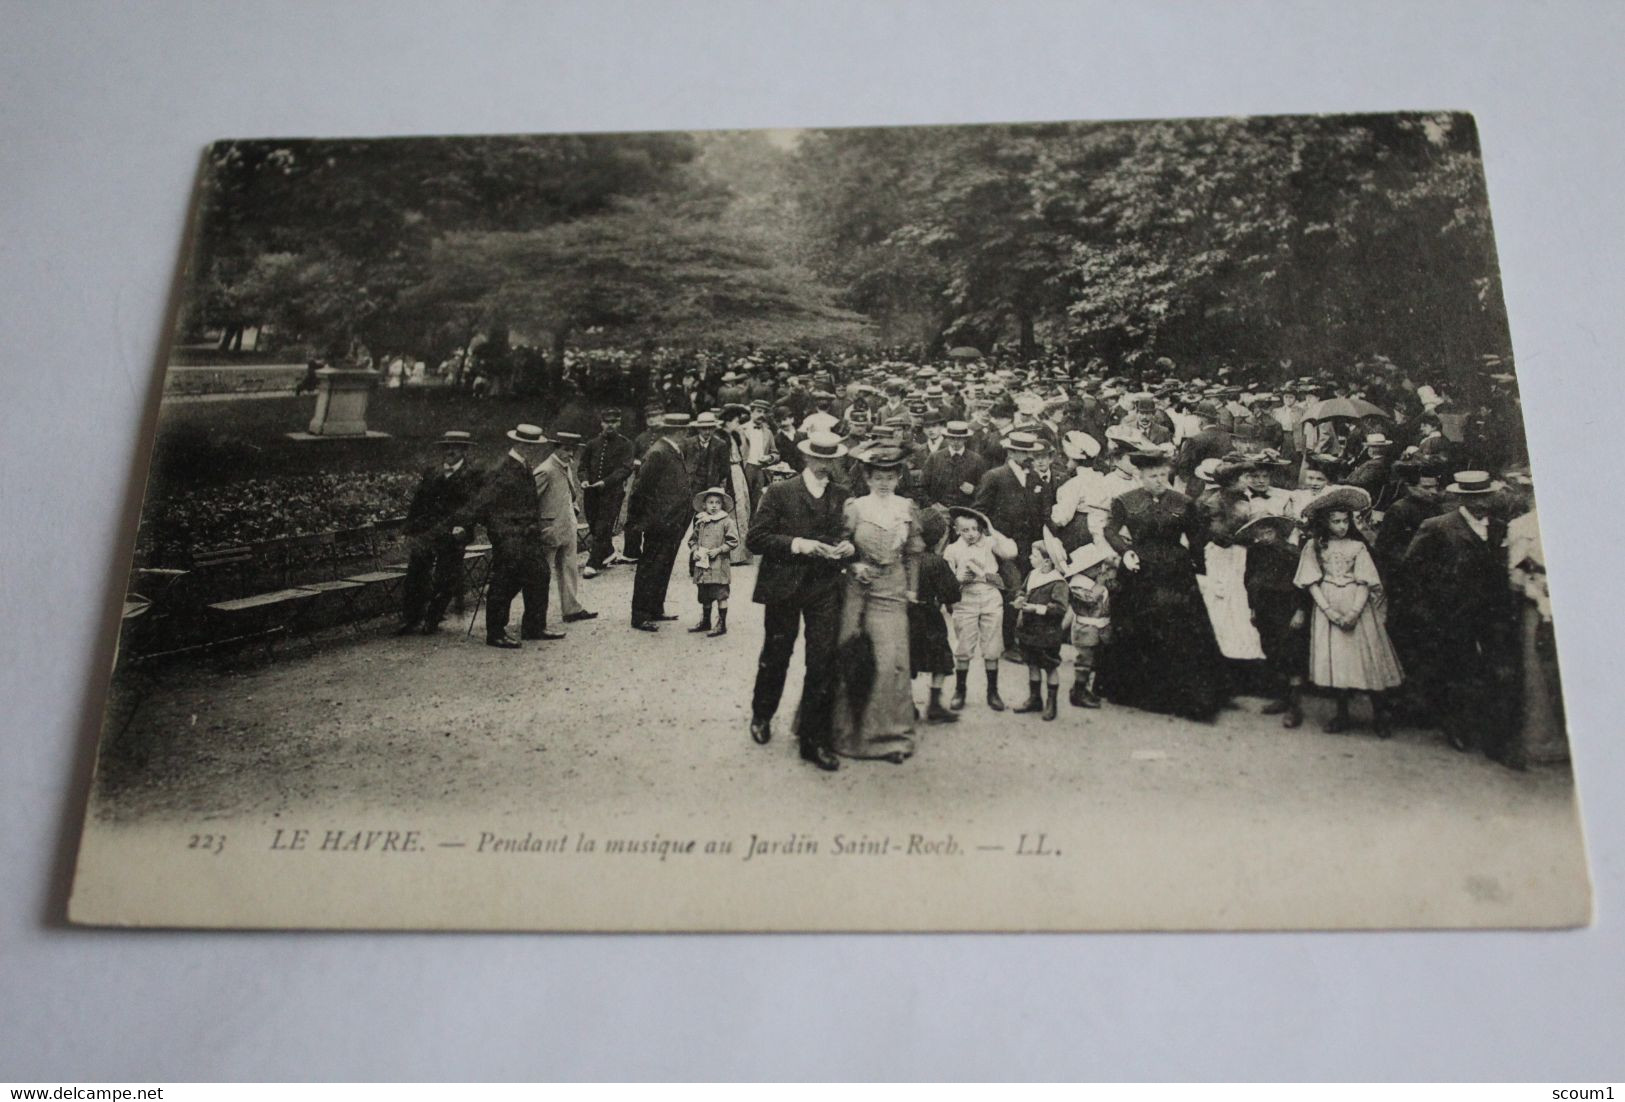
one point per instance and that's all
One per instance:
(799, 532)
(434, 570)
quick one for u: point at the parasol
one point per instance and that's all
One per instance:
(964, 352)
(1352, 408)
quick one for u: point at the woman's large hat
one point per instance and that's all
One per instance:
(1054, 548)
(1473, 482)
(977, 515)
(882, 456)
(1352, 498)
(1152, 457)
(1281, 525)
(727, 499)
(1086, 556)
(821, 445)
(527, 434)
(1079, 445)
(1121, 436)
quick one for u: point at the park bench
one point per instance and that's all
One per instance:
(382, 543)
(251, 615)
(313, 563)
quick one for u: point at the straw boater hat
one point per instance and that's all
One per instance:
(677, 421)
(527, 434)
(821, 445)
(1352, 498)
(1022, 442)
(568, 439)
(1079, 445)
(957, 430)
(727, 499)
(1473, 482)
(456, 438)
(1087, 556)
(1281, 525)
(706, 420)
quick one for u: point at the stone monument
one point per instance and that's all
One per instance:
(342, 394)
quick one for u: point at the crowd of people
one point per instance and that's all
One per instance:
(1191, 539)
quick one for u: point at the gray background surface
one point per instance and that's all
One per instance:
(103, 112)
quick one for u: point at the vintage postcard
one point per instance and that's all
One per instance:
(1068, 526)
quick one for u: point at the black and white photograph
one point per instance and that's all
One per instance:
(1032, 526)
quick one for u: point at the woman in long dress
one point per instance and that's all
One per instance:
(1163, 656)
(734, 419)
(1349, 649)
(1224, 586)
(874, 706)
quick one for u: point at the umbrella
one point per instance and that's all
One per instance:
(1353, 408)
(964, 352)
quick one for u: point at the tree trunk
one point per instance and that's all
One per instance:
(1029, 345)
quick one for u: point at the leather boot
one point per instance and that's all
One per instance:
(1339, 722)
(1090, 699)
(1051, 697)
(1080, 686)
(1034, 701)
(994, 700)
(1294, 707)
(705, 621)
(958, 701)
(722, 624)
(936, 713)
(1381, 721)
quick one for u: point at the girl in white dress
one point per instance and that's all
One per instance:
(1349, 649)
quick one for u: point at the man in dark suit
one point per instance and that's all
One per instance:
(1460, 596)
(952, 472)
(606, 464)
(798, 530)
(506, 506)
(708, 454)
(1208, 442)
(434, 570)
(1017, 502)
(661, 508)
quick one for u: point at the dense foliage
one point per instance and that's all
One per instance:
(1312, 242)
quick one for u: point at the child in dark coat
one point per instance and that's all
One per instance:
(1042, 626)
(928, 649)
(1279, 610)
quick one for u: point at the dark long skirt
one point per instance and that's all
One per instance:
(1163, 656)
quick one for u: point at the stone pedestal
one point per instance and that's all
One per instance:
(341, 401)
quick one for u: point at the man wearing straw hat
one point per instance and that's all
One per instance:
(506, 505)
(1456, 577)
(799, 531)
(558, 494)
